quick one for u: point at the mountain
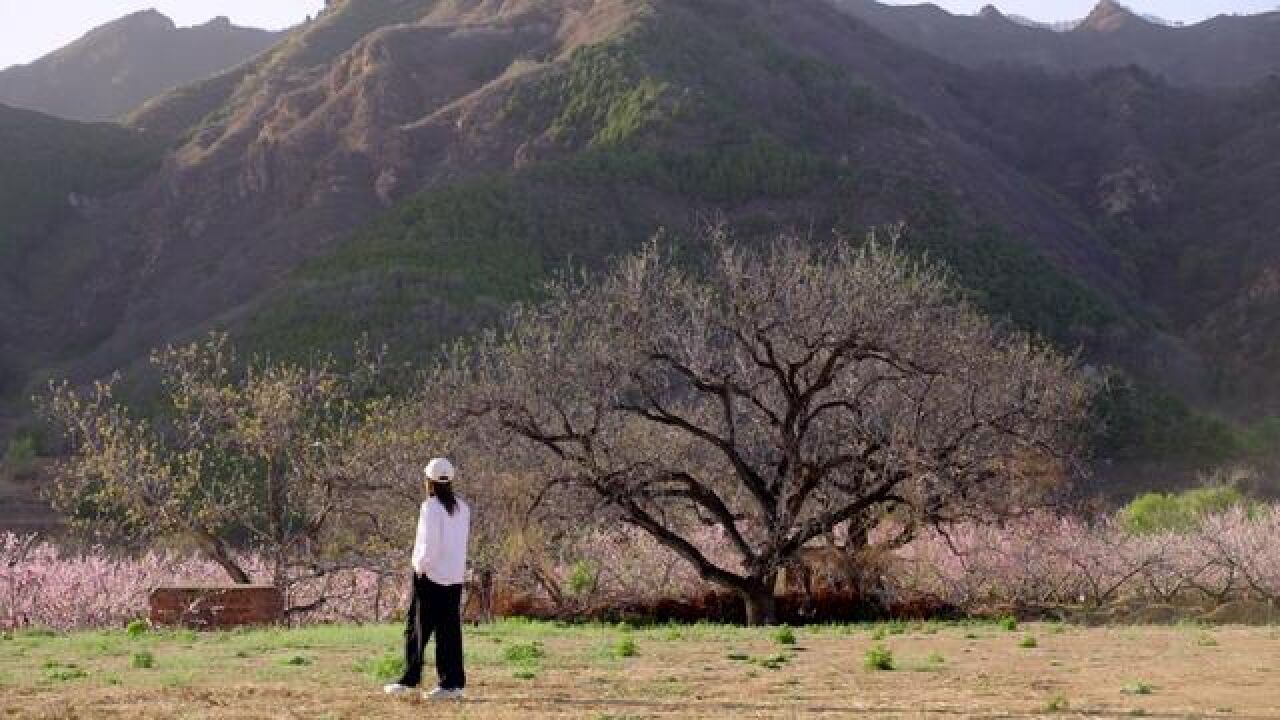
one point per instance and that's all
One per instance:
(1227, 50)
(569, 129)
(406, 169)
(118, 66)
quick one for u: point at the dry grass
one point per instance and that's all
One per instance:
(533, 670)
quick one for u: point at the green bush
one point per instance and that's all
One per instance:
(136, 628)
(1178, 512)
(1028, 642)
(879, 658)
(772, 662)
(784, 636)
(62, 672)
(383, 668)
(1008, 623)
(143, 660)
(626, 647)
(524, 652)
(582, 578)
(1138, 688)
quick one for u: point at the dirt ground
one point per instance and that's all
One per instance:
(538, 670)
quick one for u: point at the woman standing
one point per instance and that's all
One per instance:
(439, 563)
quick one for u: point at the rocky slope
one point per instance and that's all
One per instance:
(118, 66)
(1227, 50)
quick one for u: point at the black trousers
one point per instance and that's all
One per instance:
(434, 609)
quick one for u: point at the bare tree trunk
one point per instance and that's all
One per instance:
(218, 552)
(762, 606)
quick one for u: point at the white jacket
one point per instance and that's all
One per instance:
(440, 549)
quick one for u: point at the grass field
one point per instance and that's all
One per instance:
(532, 670)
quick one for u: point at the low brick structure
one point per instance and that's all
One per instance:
(211, 607)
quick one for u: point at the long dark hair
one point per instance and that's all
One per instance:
(444, 493)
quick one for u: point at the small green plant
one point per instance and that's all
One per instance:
(784, 636)
(773, 662)
(879, 658)
(524, 674)
(62, 672)
(296, 660)
(582, 578)
(1206, 640)
(625, 647)
(737, 655)
(136, 628)
(384, 668)
(1057, 703)
(1027, 642)
(936, 658)
(1008, 623)
(1137, 687)
(878, 634)
(143, 660)
(523, 653)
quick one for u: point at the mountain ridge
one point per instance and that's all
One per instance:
(115, 67)
(1222, 51)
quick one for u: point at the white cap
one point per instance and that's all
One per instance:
(439, 470)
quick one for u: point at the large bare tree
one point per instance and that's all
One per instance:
(778, 396)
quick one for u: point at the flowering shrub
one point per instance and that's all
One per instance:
(1051, 560)
(1037, 560)
(40, 585)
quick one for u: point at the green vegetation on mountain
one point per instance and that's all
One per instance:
(653, 133)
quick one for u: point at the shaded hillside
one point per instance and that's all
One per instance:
(55, 172)
(118, 66)
(1226, 50)
(1182, 184)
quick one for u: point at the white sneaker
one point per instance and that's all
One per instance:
(443, 694)
(396, 689)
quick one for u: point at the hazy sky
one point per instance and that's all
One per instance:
(31, 28)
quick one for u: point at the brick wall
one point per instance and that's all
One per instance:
(213, 607)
